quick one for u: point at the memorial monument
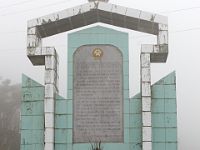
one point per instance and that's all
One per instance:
(98, 108)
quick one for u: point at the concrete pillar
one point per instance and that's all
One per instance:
(51, 78)
(146, 101)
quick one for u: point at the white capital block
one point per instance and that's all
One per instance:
(146, 145)
(49, 146)
(50, 76)
(49, 135)
(49, 51)
(49, 91)
(146, 74)
(146, 118)
(50, 62)
(146, 89)
(163, 37)
(49, 120)
(147, 48)
(146, 103)
(49, 104)
(147, 134)
(145, 60)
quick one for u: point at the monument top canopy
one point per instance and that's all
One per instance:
(99, 11)
(94, 12)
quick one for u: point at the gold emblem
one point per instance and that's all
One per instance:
(97, 53)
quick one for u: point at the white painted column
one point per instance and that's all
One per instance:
(48, 57)
(51, 78)
(150, 54)
(146, 101)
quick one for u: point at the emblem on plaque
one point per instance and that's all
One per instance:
(97, 53)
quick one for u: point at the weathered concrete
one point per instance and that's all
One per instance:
(90, 13)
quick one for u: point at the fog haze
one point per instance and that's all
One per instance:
(184, 55)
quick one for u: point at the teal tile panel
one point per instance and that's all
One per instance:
(158, 135)
(58, 97)
(170, 91)
(69, 107)
(137, 96)
(126, 67)
(135, 106)
(171, 120)
(61, 136)
(32, 122)
(69, 136)
(95, 36)
(171, 134)
(32, 108)
(126, 82)
(158, 105)
(169, 79)
(93, 40)
(135, 120)
(70, 68)
(126, 94)
(69, 94)
(71, 51)
(158, 91)
(110, 146)
(127, 99)
(116, 146)
(69, 147)
(135, 146)
(170, 105)
(126, 135)
(97, 32)
(82, 146)
(159, 146)
(32, 137)
(70, 82)
(61, 107)
(135, 135)
(160, 82)
(171, 146)
(33, 94)
(158, 120)
(126, 120)
(126, 107)
(32, 147)
(28, 82)
(61, 147)
(69, 121)
(63, 121)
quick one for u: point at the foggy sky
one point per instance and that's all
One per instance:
(9, 115)
(184, 31)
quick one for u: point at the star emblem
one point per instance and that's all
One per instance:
(97, 53)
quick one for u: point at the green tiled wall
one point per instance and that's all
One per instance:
(32, 115)
(164, 117)
(164, 114)
(63, 126)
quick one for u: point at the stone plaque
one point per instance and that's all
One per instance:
(98, 94)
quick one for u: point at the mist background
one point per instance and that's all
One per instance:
(184, 58)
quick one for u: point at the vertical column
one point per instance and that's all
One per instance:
(51, 78)
(34, 42)
(146, 101)
(162, 38)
